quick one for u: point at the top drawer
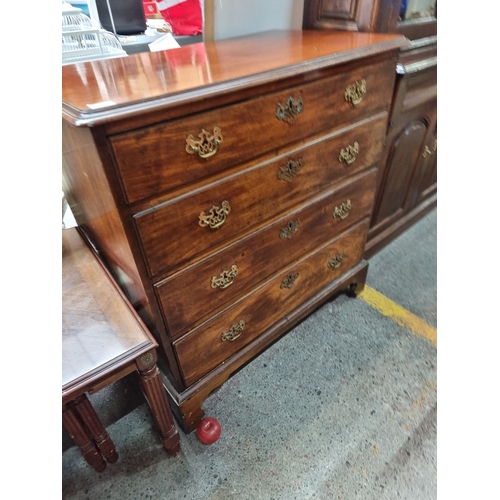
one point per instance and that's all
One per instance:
(156, 159)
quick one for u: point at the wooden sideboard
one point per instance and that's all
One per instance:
(407, 179)
(229, 186)
(407, 183)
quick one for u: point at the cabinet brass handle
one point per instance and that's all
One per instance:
(233, 333)
(207, 144)
(427, 151)
(290, 229)
(225, 278)
(216, 216)
(348, 154)
(290, 280)
(342, 211)
(335, 262)
(291, 169)
(289, 112)
(354, 93)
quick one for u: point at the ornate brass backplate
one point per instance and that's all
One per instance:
(289, 172)
(342, 211)
(216, 216)
(354, 93)
(289, 112)
(290, 229)
(290, 280)
(335, 262)
(225, 278)
(207, 144)
(348, 154)
(233, 333)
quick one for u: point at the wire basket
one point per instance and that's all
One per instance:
(84, 40)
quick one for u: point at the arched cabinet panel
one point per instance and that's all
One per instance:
(402, 160)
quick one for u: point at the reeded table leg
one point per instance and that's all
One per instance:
(97, 431)
(158, 402)
(78, 433)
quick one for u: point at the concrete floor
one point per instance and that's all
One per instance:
(343, 407)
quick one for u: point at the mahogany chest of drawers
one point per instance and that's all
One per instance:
(228, 186)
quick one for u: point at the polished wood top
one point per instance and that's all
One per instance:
(101, 332)
(105, 90)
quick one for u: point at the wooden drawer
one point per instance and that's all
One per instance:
(253, 197)
(188, 297)
(154, 160)
(203, 349)
(420, 86)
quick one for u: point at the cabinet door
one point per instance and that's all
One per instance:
(403, 159)
(424, 180)
(351, 15)
(415, 18)
(429, 154)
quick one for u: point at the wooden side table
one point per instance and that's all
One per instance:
(103, 340)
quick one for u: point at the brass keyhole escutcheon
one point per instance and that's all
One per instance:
(290, 229)
(289, 172)
(290, 110)
(289, 280)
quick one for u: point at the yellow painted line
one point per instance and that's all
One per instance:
(398, 314)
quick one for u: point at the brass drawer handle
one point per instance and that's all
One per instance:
(290, 280)
(348, 154)
(289, 112)
(207, 144)
(216, 216)
(290, 229)
(427, 151)
(354, 93)
(342, 211)
(225, 278)
(291, 169)
(233, 333)
(335, 262)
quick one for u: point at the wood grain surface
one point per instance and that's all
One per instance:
(99, 91)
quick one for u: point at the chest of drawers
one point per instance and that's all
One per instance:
(228, 186)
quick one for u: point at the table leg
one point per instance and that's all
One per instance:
(156, 397)
(97, 431)
(80, 436)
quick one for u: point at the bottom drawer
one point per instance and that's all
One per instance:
(215, 341)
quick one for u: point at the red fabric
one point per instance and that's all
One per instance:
(185, 18)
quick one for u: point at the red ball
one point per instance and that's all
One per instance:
(208, 430)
